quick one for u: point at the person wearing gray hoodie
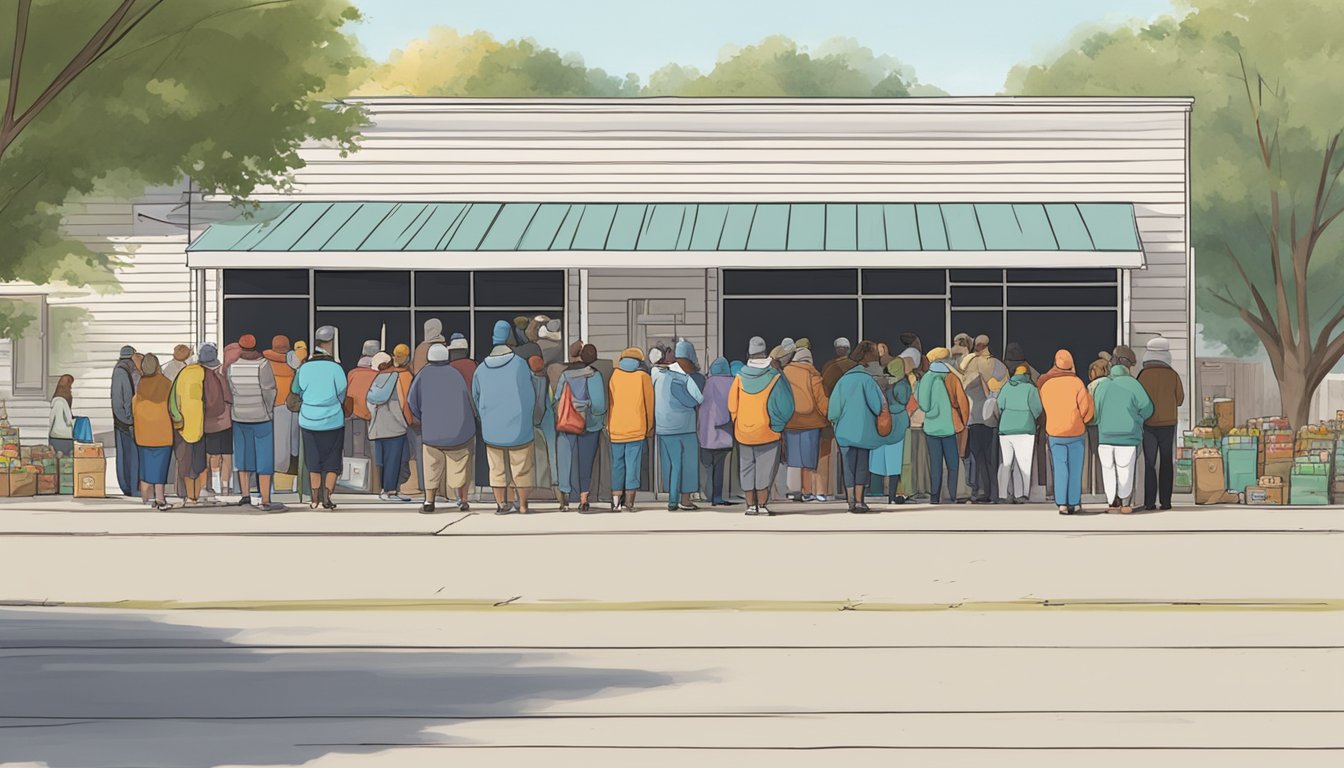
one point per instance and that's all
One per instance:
(440, 401)
(125, 376)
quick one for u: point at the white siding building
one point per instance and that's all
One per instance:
(1048, 222)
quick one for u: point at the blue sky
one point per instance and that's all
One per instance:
(963, 46)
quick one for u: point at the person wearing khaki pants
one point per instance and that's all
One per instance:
(440, 402)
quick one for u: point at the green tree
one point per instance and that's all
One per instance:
(1266, 162)
(112, 96)
(447, 63)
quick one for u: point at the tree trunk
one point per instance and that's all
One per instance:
(1295, 393)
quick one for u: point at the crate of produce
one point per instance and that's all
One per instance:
(1313, 490)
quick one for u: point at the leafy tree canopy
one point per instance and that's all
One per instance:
(448, 63)
(113, 96)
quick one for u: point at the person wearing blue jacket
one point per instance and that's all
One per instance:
(856, 401)
(577, 453)
(675, 397)
(888, 458)
(440, 402)
(320, 383)
(507, 406)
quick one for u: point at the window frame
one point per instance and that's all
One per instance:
(41, 390)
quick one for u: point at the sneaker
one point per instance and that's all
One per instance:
(630, 508)
(764, 510)
(513, 507)
(897, 500)
(427, 508)
(687, 507)
(615, 505)
(1165, 507)
(794, 496)
(808, 498)
(671, 507)
(1066, 510)
(860, 509)
(462, 506)
(246, 501)
(821, 497)
(274, 506)
(753, 511)
(501, 509)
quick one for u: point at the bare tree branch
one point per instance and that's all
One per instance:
(16, 62)
(77, 64)
(1266, 316)
(1268, 337)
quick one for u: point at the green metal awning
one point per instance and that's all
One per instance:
(505, 235)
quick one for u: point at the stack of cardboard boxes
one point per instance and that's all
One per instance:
(37, 470)
(89, 471)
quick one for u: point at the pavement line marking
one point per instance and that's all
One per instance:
(515, 604)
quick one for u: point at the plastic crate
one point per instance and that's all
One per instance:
(1185, 473)
(1240, 467)
(1309, 489)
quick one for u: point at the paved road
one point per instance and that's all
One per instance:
(1021, 639)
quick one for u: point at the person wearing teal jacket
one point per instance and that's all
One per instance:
(888, 458)
(1122, 406)
(944, 417)
(1019, 408)
(855, 403)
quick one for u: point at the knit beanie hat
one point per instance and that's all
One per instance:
(588, 355)
(756, 346)
(803, 355)
(458, 341)
(803, 343)
(1124, 355)
(401, 352)
(370, 348)
(247, 342)
(438, 353)
(127, 352)
(1159, 350)
(938, 353)
(381, 359)
(501, 332)
(634, 353)
(280, 344)
(686, 351)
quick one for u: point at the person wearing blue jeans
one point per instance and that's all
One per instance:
(676, 397)
(1066, 458)
(626, 459)
(943, 452)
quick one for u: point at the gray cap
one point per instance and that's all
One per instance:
(756, 346)
(209, 354)
(371, 347)
(127, 352)
(438, 353)
(325, 333)
(457, 342)
(841, 342)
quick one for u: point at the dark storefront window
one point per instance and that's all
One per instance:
(790, 282)
(265, 318)
(819, 320)
(1083, 333)
(886, 319)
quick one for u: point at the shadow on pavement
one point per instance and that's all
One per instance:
(91, 690)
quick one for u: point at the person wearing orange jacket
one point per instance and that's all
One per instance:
(153, 427)
(1068, 407)
(285, 422)
(802, 435)
(761, 404)
(629, 424)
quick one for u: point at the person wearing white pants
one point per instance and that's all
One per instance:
(1122, 406)
(1118, 463)
(1018, 404)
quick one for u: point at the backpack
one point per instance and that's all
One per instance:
(215, 389)
(572, 408)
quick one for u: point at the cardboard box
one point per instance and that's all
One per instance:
(1270, 480)
(89, 451)
(1266, 495)
(22, 482)
(356, 474)
(90, 480)
(47, 485)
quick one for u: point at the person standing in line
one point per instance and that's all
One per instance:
(1096, 373)
(1019, 407)
(218, 424)
(583, 386)
(915, 478)
(1068, 408)
(802, 435)
(153, 431)
(284, 420)
(440, 402)
(676, 398)
(506, 403)
(61, 422)
(550, 341)
(760, 402)
(252, 390)
(887, 459)
(321, 386)
(181, 355)
(1122, 406)
(977, 369)
(945, 406)
(125, 378)
(630, 424)
(714, 432)
(387, 426)
(853, 408)
(836, 366)
(1167, 393)
(543, 479)
(186, 406)
(357, 383)
(433, 335)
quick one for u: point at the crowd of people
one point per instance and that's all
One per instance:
(950, 424)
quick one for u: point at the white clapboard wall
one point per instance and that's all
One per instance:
(813, 150)
(153, 311)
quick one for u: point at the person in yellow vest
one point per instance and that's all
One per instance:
(761, 404)
(186, 406)
(153, 428)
